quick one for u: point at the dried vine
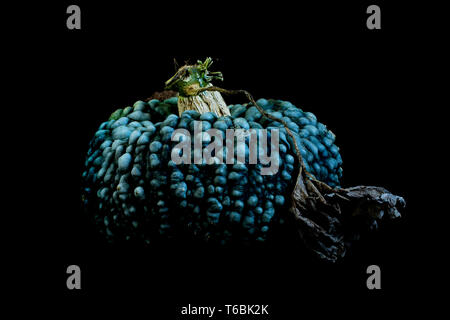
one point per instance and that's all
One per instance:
(326, 215)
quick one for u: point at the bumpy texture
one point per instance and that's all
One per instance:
(133, 190)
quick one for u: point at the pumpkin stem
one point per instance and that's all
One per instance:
(188, 82)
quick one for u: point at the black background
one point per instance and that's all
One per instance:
(363, 84)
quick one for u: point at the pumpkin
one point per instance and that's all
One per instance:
(134, 190)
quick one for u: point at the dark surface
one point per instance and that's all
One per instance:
(360, 83)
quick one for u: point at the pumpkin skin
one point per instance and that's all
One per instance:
(134, 192)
